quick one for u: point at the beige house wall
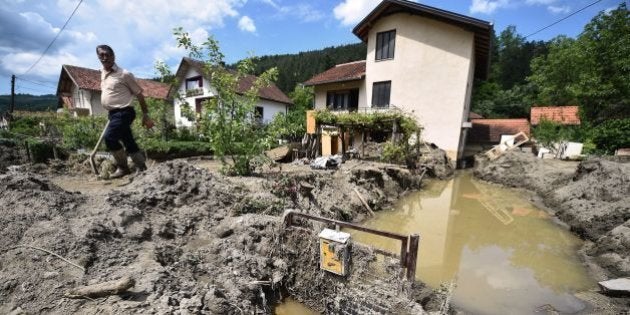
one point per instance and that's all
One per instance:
(431, 75)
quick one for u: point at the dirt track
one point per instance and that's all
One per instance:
(591, 197)
(193, 240)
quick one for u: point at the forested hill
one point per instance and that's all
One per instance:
(297, 68)
(29, 102)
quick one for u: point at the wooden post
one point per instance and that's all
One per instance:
(343, 141)
(395, 132)
(363, 143)
(318, 141)
(412, 256)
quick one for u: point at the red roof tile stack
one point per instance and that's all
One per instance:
(490, 130)
(343, 72)
(566, 115)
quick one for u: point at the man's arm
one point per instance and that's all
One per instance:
(146, 121)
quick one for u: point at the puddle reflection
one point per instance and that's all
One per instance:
(504, 255)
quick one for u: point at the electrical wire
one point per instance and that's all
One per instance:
(18, 87)
(564, 18)
(54, 39)
(37, 82)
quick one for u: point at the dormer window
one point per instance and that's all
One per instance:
(385, 43)
(194, 86)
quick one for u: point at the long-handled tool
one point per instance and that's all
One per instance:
(93, 154)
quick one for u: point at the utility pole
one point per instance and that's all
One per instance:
(12, 93)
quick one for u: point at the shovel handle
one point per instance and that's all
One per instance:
(100, 140)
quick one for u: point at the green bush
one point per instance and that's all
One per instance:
(612, 135)
(26, 126)
(393, 153)
(158, 148)
(40, 151)
(80, 132)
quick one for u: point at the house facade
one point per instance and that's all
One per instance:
(195, 88)
(79, 90)
(420, 60)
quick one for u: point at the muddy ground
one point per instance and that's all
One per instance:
(591, 197)
(192, 240)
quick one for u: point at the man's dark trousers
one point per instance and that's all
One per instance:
(119, 130)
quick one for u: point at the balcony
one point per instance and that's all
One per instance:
(194, 92)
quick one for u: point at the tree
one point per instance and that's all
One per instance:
(605, 80)
(506, 93)
(292, 126)
(592, 71)
(556, 74)
(228, 119)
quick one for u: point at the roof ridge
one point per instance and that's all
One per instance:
(349, 63)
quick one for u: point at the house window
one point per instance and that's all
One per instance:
(380, 93)
(385, 43)
(258, 114)
(194, 86)
(343, 100)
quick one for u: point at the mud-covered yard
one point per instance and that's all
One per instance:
(183, 239)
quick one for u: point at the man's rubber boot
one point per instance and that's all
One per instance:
(139, 161)
(122, 169)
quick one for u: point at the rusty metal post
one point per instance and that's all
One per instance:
(412, 256)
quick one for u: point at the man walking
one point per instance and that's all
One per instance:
(118, 87)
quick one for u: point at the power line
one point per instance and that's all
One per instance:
(37, 82)
(564, 18)
(20, 87)
(54, 39)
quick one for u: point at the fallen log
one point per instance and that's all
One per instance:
(365, 204)
(101, 289)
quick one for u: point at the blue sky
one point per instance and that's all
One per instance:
(140, 30)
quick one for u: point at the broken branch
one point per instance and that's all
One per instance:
(51, 253)
(101, 289)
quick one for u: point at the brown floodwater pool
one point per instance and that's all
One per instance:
(494, 250)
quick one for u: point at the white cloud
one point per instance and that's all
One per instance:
(487, 6)
(559, 9)
(350, 12)
(246, 24)
(303, 12)
(49, 66)
(271, 3)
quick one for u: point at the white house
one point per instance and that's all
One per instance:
(79, 90)
(421, 60)
(197, 88)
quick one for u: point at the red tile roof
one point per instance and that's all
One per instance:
(490, 130)
(90, 79)
(271, 92)
(566, 115)
(343, 72)
(473, 115)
